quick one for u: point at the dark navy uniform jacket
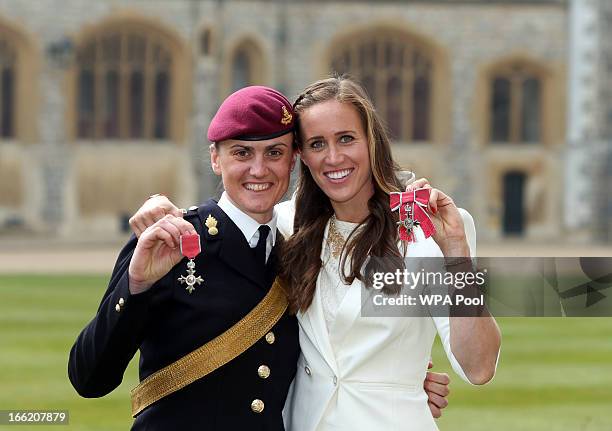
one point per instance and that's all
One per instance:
(167, 322)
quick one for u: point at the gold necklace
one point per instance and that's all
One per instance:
(335, 240)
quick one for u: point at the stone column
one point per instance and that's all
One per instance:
(53, 152)
(206, 93)
(604, 82)
(581, 121)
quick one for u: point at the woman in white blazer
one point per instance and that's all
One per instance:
(364, 373)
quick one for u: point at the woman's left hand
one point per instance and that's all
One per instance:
(450, 233)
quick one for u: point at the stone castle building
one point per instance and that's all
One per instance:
(103, 103)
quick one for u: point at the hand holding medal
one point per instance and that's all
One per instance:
(435, 213)
(157, 252)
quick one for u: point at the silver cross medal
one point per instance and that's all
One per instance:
(190, 248)
(409, 223)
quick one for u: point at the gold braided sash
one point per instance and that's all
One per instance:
(214, 354)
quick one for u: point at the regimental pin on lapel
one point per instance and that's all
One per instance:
(190, 248)
(211, 224)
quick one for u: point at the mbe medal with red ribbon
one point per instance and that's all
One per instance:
(190, 248)
(411, 206)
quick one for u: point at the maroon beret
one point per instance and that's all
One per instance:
(252, 113)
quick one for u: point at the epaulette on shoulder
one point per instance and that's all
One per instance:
(190, 212)
(191, 215)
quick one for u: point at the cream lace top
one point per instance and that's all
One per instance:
(333, 289)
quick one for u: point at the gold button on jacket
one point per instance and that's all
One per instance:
(270, 337)
(263, 371)
(257, 406)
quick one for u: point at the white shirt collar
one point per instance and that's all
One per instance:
(247, 224)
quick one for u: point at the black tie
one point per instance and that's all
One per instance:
(260, 248)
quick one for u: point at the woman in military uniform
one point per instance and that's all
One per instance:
(154, 306)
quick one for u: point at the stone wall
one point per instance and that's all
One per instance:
(69, 186)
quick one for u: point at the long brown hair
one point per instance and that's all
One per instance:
(301, 261)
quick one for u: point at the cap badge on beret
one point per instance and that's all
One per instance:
(287, 117)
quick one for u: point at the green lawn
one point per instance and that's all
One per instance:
(554, 374)
(40, 317)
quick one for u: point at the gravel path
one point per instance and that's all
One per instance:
(52, 257)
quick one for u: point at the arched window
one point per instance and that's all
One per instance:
(7, 89)
(206, 42)
(242, 70)
(246, 66)
(123, 85)
(397, 73)
(516, 105)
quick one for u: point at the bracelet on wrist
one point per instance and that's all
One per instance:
(453, 261)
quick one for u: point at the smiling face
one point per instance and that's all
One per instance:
(335, 149)
(255, 174)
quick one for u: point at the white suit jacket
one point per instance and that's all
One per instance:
(366, 373)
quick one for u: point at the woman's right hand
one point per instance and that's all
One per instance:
(157, 252)
(153, 210)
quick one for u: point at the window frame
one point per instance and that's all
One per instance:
(254, 47)
(180, 78)
(25, 101)
(8, 69)
(517, 72)
(149, 67)
(439, 108)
